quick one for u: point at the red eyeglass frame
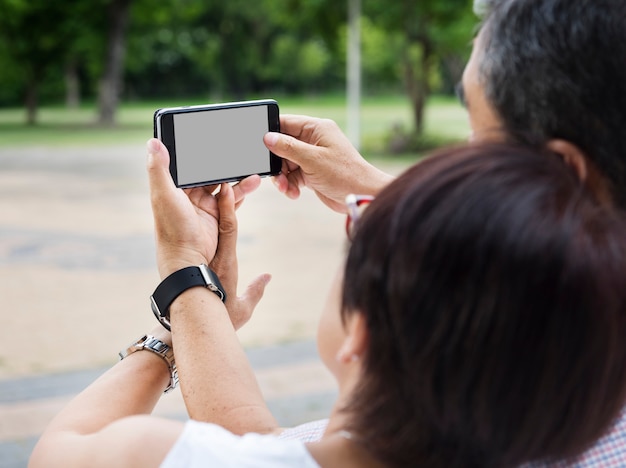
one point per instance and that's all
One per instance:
(355, 205)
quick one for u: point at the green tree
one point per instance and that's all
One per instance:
(428, 30)
(36, 34)
(227, 50)
(118, 15)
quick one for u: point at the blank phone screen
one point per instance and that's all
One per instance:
(221, 144)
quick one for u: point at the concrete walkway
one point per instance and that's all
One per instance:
(77, 267)
(297, 388)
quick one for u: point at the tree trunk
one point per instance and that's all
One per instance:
(416, 79)
(32, 101)
(414, 85)
(453, 66)
(418, 104)
(354, 72)
(72, 85)
(110, 84)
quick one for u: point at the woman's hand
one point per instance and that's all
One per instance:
(194, 226)
(225, 264)
(186, 224)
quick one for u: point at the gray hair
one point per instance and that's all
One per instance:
(568, 85)
(483, 7)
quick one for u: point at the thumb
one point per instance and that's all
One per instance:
(228, 219)
(290, 148)
(158, 165)
(254, 291)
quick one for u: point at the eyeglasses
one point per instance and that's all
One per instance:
(356, 205)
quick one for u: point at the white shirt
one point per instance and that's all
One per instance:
(209, 445)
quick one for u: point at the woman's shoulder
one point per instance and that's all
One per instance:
(307, 432)
(201, 444)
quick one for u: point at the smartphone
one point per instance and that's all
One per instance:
(214, 143)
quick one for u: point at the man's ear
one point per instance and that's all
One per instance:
(585, 169)
(572, 155)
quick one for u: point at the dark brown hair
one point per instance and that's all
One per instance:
(493, 289)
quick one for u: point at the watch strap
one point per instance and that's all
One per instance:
(156, 346)
(178, 282)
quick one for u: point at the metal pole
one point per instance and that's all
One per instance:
(354, 72)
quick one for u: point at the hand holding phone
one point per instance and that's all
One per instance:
(215, 143)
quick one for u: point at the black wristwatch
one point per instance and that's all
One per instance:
(178, 282)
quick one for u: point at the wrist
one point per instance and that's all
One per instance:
(196, 306)
(189, 300)
(180, 281)
(373, 180)
(157, 349)
(162, 334)
(173, 263)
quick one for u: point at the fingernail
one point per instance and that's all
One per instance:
(153, 145)
(277, 184)
(271, 138)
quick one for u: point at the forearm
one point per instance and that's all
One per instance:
(369, 180)
(131, 387)
(216, 379)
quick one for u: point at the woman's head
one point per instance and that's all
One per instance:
(492, 288)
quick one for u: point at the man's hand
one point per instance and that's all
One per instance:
(318, 155)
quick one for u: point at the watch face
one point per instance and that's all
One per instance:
(162, 320)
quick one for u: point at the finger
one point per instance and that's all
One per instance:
(211, 188)
(289, 166)
(246, 187)
(288, 185)
(294, 125)
(293, 190)
(255, 290)
(159, 178)
(227, 220)
(295, 180)
(290, 148)
(158, 163)
(281, 182)
(196, 194)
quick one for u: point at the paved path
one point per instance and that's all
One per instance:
(297, 388)
(77, 268)
(77, 258)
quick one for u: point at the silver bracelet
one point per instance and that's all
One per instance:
(150, 343)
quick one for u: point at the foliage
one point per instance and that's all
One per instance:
(224, 50)
(428, 33)
(215, 50)
(60, 126)
(36, 34)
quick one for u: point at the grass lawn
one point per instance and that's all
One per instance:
(58, 126)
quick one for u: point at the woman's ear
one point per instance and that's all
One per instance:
(572, 155)
(356, 340)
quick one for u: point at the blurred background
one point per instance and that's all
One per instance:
(79, 83)
(103, 63)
